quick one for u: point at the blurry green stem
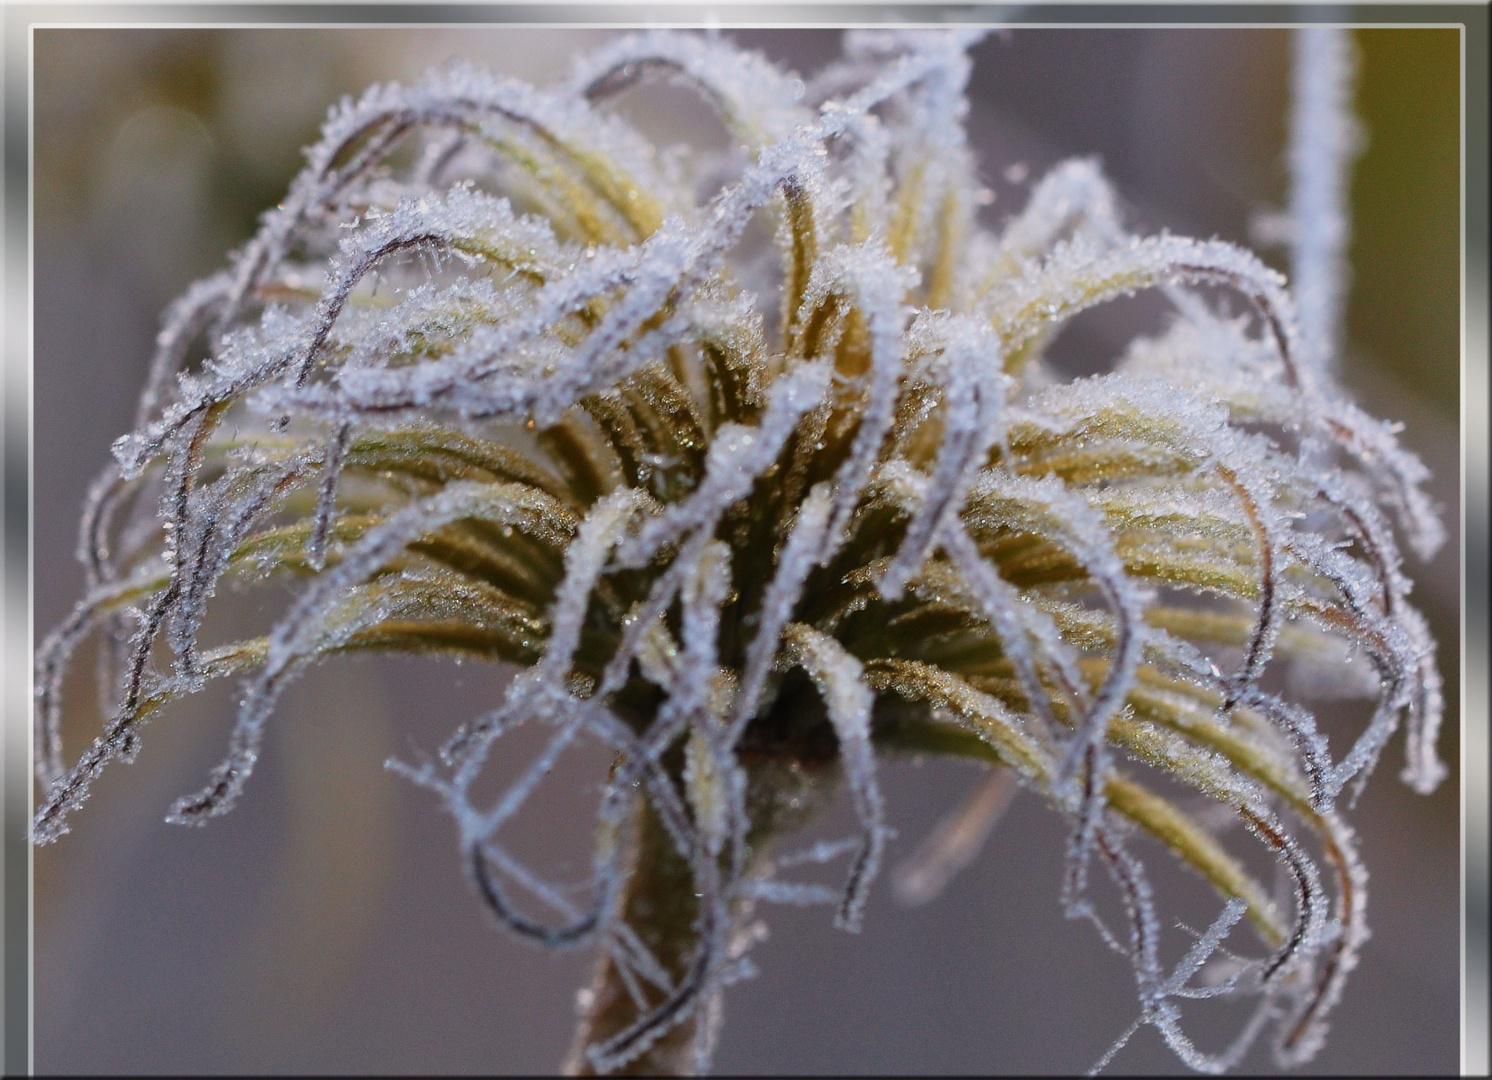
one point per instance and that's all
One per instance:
(786, 785)
(660, 907)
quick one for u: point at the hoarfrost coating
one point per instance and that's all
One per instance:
(510, 398)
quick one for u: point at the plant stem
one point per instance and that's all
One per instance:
(782, 792)
(660, 907)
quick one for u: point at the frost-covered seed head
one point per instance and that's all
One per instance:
(564, 437)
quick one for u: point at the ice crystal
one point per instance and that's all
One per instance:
(568, 437)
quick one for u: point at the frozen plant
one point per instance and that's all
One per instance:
(499, 380)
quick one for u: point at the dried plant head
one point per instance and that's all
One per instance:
(499, 380)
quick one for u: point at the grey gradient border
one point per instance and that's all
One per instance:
(15, 422)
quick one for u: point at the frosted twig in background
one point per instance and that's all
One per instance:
(1324, 138)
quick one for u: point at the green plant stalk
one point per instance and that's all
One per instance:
(660, 907)
(784, 790)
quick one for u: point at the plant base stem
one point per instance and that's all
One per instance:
(660, 907)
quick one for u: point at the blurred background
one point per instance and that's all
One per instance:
(326, 925)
